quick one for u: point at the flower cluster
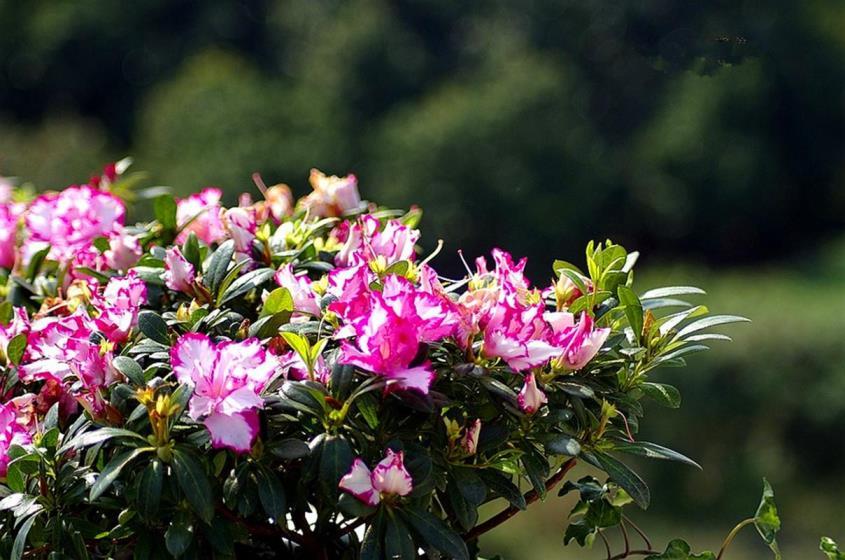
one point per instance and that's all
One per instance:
(235, 356)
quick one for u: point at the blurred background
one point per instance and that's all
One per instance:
(708, 135)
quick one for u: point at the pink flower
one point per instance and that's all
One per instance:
(332, 196)
(517, 334)
(227, 379)
(387, 344)
(201, 213)
(299, 286)
(531, 398)
(580, 343)
(435, 316)
(294, 368)
(240, 223)
(469, 442)
(119, 306)
(9, 215)
(388, 479)
(70, 220)
(179, 274)
(123, 252)
(362, 241)
(12, 432)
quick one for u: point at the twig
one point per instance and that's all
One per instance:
(623, 555)
(625, 536)
(530, 497)
(639, 531)
(606, 543)
(729, 539)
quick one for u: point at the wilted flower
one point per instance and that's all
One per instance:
(530, 397)
(227, 379)
(201, 213)
(388, 479)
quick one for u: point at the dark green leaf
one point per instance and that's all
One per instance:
(218, 264)
(398, 544)
(830, 549)
(622, 475)
(503, 486)
(153, 326)
(179, 536)
(435, 533)
(98, 436)
(111, 471)
(666, 395)
(35, 263)
(371, 546)
(245, 283)
(20, 538)
(290, 449)
(653, 451)
(633, 310)
(149, 489)
(560, 444)
(191, 251)
(130, 368)
(271, 493)
(194, 483)
(335, 461)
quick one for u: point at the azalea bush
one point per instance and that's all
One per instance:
(294, 379)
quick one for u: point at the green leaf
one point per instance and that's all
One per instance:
(368, 406)
(831, 550)
(191, 251)
(179, 536)
(708, 322)
(218, 264)
(7, 313)
(111, 471)
(164, 208)
(130, 368)
(353, 507)
(245, 283)
(290, 449)
(298, 344)
(672, 291)
(278, 300)
(560, 444)
(398, 544)
(16, 349)
(20, 539)
(653, 451)
(633, 310)
(663, 394)
(371, 545)
(149, 489)
(503, 486)
(335, 461)
(98, 436)
(435, 533)
(35, 263)
(153, 326)
(271, 493)
(622, 475)
(194, 483)
(766, 520)
(680, 550)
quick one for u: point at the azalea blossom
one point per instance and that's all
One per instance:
(179, 274)
(579, 343)
(469, 441)
(241, 226)
(388, 479)
(9, 215)
(365, 241)
(69, 221)
(123, 252)
(202, 214)
(12, 432)
(278, 200)
(332, 196)
(119, 306)
(518, 334)
(227, 379)
(530, 397)
(305, 300)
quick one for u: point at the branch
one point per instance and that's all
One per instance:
(530, 497)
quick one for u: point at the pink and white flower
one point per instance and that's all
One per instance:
(531, 397)
(364, 241)
(518, 334)
(12, 432)
(469, 441)
(240, 223)
(69, 221)
(388, 479)
(9, 217)
(179, 274)
(123, 252)
(332, 196)
(579, 343)
(119, 306)
(300, 287)
(227, 378)
(202, 214)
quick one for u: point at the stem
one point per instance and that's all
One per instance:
(644, 552)
(729, 539)
(530, 498)
(639, 531)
